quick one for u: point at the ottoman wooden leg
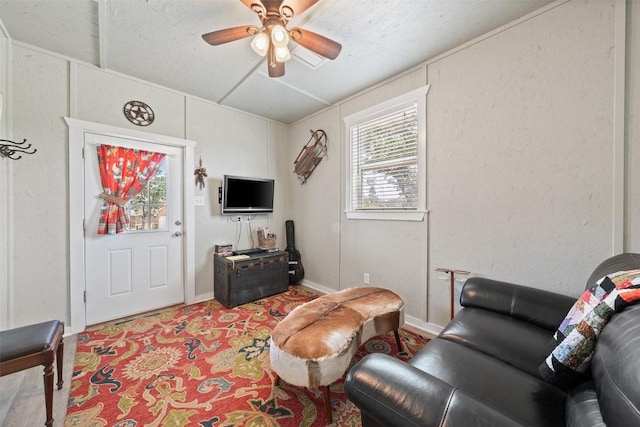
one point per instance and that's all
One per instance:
(327, 404)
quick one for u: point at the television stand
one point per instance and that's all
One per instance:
(260, 275)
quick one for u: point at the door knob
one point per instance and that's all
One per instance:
(177, 233)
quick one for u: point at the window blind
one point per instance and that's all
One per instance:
(385, 161)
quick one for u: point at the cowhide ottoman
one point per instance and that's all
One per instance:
(315, 343)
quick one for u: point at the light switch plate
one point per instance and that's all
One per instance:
(198, 200)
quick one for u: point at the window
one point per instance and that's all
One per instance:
(387, 156)
(148, 209)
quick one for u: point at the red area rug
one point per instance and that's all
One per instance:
(202, 365)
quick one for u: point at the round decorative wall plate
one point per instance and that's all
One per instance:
(138, 113)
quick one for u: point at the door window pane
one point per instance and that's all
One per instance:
(148, 210)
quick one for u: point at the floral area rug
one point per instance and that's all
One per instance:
(203, 365)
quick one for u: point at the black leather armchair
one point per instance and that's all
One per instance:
(482, 370)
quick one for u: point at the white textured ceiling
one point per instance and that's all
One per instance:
(160, 41)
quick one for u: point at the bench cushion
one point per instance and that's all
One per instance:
(26, 340)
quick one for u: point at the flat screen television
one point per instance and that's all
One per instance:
(244, 195)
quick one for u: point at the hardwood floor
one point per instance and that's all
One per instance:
(22, 393)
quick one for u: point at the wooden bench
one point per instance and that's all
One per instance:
(34, 345)
(313, 346)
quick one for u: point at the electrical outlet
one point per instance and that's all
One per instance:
(366, 278)
(198, 200)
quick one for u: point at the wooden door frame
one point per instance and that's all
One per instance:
(77, 285)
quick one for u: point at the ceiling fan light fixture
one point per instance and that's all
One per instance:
(271, 40)
(260, 43)
(282, 54)
(279, 36)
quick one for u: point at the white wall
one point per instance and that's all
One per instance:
(6, 315)
(5, 43)
(314, 206)
(632, 231)
(40, 216)
(520, 164)
(99, 97)
(394, 253)
(46, 88)
(336, 252)
(520, 153)
(232, 143)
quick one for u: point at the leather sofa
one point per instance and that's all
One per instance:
(482, 369)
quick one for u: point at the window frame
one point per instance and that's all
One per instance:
(419, 96)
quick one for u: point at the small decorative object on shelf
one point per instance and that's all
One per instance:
(223, 250)
(14, 150)
(138, 113)
(310, 155)
(201, 174)
(266, 239)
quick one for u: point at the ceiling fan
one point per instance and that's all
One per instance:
(272, 39)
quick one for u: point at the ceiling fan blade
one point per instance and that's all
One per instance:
(250, 3)
(229, 34)
(254, 5)
(297, 7)
(315, 42)
(276, 69)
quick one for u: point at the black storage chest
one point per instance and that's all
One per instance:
(237, 282)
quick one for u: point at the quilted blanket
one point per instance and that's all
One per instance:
(576, 338)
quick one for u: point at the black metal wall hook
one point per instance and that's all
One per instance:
(14, 150)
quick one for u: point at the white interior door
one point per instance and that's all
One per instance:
(140, 269)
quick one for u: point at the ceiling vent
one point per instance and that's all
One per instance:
(308, 58)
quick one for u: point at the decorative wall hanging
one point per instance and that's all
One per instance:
(201, 174)
(310, 155)
(138, 113)
(14, 150)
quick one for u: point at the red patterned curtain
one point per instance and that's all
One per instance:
(124, 172)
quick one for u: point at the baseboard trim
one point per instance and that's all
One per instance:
(416, 325)
(202, 297)
(317, 287)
